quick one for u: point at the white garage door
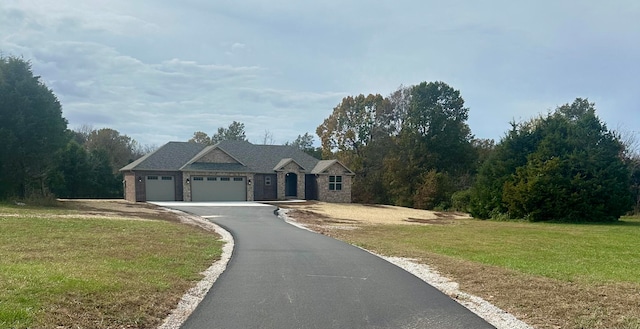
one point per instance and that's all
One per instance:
(209, 188)
(160, 188)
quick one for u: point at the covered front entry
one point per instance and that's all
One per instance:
(291, 185)
(160, 188)
(218, 188)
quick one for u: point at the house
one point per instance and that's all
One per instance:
(234, 171)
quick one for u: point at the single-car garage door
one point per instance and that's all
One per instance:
(209, 188)
(160, 188)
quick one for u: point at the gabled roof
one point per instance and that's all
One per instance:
(206, 151)
(285, 162)
(260, 159)
(323, 165)
(169, 157)
(263, 158)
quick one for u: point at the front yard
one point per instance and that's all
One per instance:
(97, 264)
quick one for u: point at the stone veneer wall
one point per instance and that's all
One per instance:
(130, 187)
(186, 188)
(291, 167)
(217, 156)
(342, 196)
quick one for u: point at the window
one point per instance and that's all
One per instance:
(198, 178)
(237, 179)
(212, 179)
(167, 178)
(267, 181)
(225, 179)
(152, 177)
(335, 183)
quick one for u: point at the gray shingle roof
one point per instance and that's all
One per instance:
(256, 158)
(323, 165)
(263, 158)
(169, 157)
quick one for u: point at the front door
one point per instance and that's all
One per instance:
(291, 185)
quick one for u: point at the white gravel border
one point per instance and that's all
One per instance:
(195, 295)
(489, 312)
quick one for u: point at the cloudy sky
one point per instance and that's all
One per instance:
(158, 70)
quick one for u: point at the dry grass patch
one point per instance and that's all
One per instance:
(89, 264)
(548, 275)
(372, 214)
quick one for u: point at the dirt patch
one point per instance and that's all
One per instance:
(429, 221)
(365, 214)
(119, 208)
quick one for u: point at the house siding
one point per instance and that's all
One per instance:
(341, 196)
(264, 192)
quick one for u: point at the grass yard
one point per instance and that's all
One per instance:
(75, 267)
(584, 253)
(548, 275)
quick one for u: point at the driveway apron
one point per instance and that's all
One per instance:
(281, 276)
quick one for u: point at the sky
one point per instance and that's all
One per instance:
(159, 70)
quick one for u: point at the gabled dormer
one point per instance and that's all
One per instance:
(214, 158)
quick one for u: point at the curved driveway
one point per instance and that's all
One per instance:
(280, 276)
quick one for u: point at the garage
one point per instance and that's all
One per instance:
(160, 188)
(218, 188)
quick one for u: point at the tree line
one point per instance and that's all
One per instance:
(40, 157)
(414, 148)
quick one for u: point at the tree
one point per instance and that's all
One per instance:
(566, 166)
(120, 149)
(358, 132)
(200, 137)
(268, 139)
(509, 154)
(434, 136)
(32, 129)
(305, 144)
(234, 132)
(104, 184)
(71, 178)
(352, 125)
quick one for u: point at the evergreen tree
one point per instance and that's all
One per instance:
(567, 166)
(32, 130)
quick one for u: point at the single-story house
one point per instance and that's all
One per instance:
(234, 171)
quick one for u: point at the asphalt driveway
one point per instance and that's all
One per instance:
(280, 276)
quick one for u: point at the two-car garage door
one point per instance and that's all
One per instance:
(210, 188)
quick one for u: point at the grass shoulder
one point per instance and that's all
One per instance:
(96, 265)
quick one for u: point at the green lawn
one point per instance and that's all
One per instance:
(59, 268)
(569, 252)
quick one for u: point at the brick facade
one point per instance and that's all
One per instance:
(182, 161)
(339, 196)
(130, 187)
(294, 168)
